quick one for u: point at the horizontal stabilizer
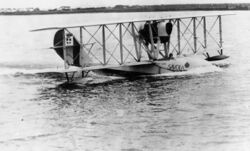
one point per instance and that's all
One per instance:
(55, 47)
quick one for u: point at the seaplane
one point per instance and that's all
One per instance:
(139, 47)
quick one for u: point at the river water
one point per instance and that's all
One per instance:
(188, 111)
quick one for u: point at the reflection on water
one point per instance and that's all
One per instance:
(197, 111)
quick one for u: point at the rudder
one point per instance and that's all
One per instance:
(73, 56)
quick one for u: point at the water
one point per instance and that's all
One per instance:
(188, 111)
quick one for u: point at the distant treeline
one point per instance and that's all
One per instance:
(138, 8)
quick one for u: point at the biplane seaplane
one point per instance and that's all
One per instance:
(140, 47)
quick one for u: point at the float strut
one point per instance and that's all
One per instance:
(82, 74)
(67, 77)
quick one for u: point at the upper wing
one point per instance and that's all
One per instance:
(128, 21)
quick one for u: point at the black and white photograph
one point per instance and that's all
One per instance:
(125, 75)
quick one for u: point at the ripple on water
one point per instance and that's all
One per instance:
(148, 113)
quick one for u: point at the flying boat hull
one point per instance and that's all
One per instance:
(180, 64)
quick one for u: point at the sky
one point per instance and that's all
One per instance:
(98, 3)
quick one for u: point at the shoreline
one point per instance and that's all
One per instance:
(131, 9)
(77, 12)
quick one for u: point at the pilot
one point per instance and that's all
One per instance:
(170, 56)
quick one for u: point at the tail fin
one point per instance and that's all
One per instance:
(65, 42)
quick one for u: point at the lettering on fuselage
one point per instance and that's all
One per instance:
(175, 67)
